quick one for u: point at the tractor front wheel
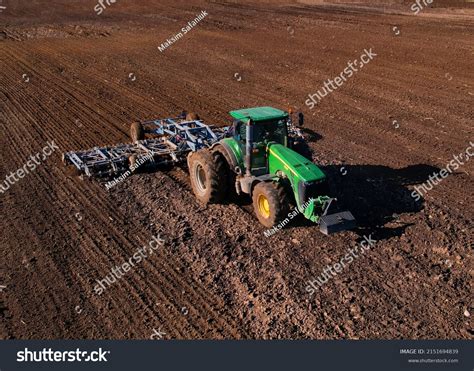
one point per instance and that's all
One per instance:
(208, 176)
(270, 203)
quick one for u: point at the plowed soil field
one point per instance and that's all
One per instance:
(79, 79)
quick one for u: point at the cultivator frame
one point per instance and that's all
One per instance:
(176, 137)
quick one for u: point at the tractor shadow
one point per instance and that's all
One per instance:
(376, 195)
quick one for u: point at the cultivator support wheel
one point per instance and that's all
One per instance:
(137, 132)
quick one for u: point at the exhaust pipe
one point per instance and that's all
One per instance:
(248, 148)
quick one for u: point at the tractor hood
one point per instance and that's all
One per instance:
(307, 180)
(295, 166)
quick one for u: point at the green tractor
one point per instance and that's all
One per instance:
(260, 158)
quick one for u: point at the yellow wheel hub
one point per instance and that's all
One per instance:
(263, 206)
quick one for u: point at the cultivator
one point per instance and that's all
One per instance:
(175, 138)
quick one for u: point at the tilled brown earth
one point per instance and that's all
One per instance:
(79, 79)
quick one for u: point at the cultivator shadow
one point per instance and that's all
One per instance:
(262, 154)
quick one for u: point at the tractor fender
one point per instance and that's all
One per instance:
(224, 149)
(247, 184)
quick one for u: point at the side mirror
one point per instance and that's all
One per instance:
(300, 119)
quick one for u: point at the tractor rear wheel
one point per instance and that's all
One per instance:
(208, 176)
(270, 202)
(137, 132)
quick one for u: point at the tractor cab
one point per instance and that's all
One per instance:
(269, 124)
(254, 129)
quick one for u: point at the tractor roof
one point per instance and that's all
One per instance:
(259, 114)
